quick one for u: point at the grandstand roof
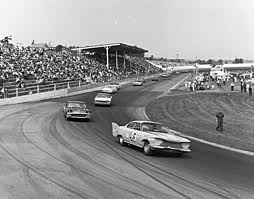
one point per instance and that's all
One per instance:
(39, 45)
(120, 47)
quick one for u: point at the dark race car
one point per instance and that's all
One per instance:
(76, 110)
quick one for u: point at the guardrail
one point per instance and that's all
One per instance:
(16, 92)
(71, 86)
(63, 89)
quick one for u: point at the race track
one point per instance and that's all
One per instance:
(44, 156)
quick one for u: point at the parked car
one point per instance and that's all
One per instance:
(151, 136)
(109, 89)
(76, 110)
(103, 99)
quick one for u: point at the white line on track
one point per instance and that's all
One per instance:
(201, 140)
(173, 87)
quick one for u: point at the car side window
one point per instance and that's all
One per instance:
(130, 125)
(137, 126)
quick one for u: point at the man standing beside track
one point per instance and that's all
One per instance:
(220, 117)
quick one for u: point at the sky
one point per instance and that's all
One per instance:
(193, 29)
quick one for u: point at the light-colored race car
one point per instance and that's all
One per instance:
(109, 89)
(137, 82)
(103, 99)
(151, 136)
(142, 79)
(118, 86)
(76, 109)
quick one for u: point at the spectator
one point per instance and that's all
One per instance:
(47, 65)
(244, 86)
(232, 86)
(241, 85)
(250, 89)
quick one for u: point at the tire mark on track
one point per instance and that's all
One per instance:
(56, 135)
(44, 176)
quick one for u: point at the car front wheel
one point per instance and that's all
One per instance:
(147, 148)
(121, 141)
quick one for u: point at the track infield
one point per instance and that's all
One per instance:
(194, 114)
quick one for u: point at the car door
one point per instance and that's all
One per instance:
(135, 134)
(127, 130)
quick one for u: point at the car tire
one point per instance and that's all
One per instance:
(66, 117)
(179, 155)
(147, 148)
(121, 140)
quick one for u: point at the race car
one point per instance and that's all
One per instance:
(103, 99)
(109, 89)
(76, 109)
(137, 82)
(151, 136)
(156, 78)
(142, 79)
(165, 75)
(118, 86)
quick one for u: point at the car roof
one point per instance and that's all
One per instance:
(75, 102)
(103, 94)
(143, 121)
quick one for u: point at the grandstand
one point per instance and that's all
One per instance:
(113, 49)
(27, 70)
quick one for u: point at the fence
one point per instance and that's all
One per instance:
(13, 91)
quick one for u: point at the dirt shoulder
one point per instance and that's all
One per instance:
(193, 113)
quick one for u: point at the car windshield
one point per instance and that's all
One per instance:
(154, 127)
(76, 105)
(103, 95)
(109, 86)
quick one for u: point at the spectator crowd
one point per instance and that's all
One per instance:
(21, 63)
(207, 82)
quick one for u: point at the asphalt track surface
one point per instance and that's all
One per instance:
(44, 156)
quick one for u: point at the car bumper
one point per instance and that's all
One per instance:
(169, 149)
(102, 102)
(106, 91)
(79, 116)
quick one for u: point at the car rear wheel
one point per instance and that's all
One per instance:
(147, 148)
(121, 140)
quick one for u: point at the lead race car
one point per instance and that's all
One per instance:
(151, 136)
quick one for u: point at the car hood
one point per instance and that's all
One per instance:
(79, 110)
(107, 88)
(168, 137)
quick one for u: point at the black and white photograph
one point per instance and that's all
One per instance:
(135, 99)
